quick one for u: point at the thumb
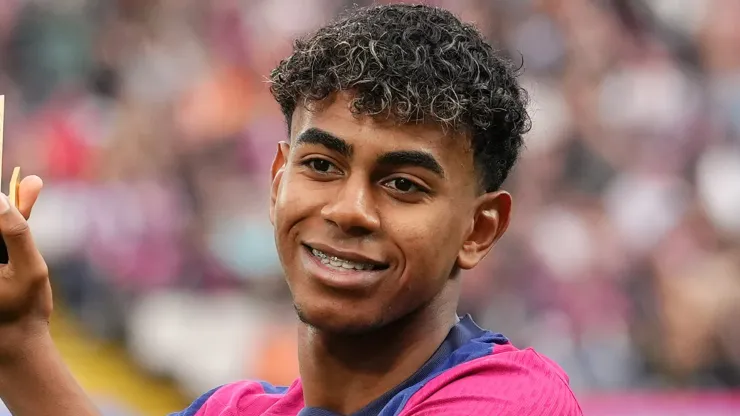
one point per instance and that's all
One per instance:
(28, 193)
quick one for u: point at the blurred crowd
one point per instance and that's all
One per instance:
(153, 127)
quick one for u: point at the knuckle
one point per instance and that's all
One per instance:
(17, 230)
(43, 270)
(35, 272)
(39, 271)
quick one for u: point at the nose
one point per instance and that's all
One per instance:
(353, 210)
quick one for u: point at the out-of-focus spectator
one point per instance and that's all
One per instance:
(154, 128)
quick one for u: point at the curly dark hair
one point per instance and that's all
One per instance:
(414, 63)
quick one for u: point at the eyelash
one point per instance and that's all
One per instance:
(309, 163)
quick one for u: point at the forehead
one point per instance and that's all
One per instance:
(378, 135)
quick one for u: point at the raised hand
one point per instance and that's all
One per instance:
(25, 293)
(33, 378)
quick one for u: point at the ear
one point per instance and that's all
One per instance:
(490, 221)
(276, 173)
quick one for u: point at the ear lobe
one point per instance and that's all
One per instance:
(276, 173)
(489, 224)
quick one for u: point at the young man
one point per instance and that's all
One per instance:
(403, 124)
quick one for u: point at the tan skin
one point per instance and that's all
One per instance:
(358, 342)
(363, 332)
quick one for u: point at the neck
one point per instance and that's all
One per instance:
(344, 373)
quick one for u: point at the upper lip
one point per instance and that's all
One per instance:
(345, 254)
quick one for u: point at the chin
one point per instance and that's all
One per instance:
(336, 321)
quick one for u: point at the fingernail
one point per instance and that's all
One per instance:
(4, 203)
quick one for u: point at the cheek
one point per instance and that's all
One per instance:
(428, 239)
(296, 200)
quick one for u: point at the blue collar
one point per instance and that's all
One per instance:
(465, 341)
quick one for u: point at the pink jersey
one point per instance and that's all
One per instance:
(474, 372)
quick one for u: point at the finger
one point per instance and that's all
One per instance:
(28, 193)
(22, 251)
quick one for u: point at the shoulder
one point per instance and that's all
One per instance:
(507, 382)
(245, 398)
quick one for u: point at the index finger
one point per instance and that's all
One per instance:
(22, 251)
(28, 192)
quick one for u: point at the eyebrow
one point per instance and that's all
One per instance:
(326, 139)
(412, 158)
(397, 158)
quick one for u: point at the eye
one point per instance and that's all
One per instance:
(404, 185)
(320, 165)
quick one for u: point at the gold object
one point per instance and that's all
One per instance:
(15, 179)
(14, 186)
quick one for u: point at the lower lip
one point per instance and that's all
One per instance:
(345, 279)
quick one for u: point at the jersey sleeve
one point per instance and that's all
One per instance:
(519, 384)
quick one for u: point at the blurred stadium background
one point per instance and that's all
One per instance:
(152, 125)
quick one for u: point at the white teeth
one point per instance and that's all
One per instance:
(340, 263)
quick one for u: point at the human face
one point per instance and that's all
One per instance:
(372, 217)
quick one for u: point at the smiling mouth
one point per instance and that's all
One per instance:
(341, 264)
